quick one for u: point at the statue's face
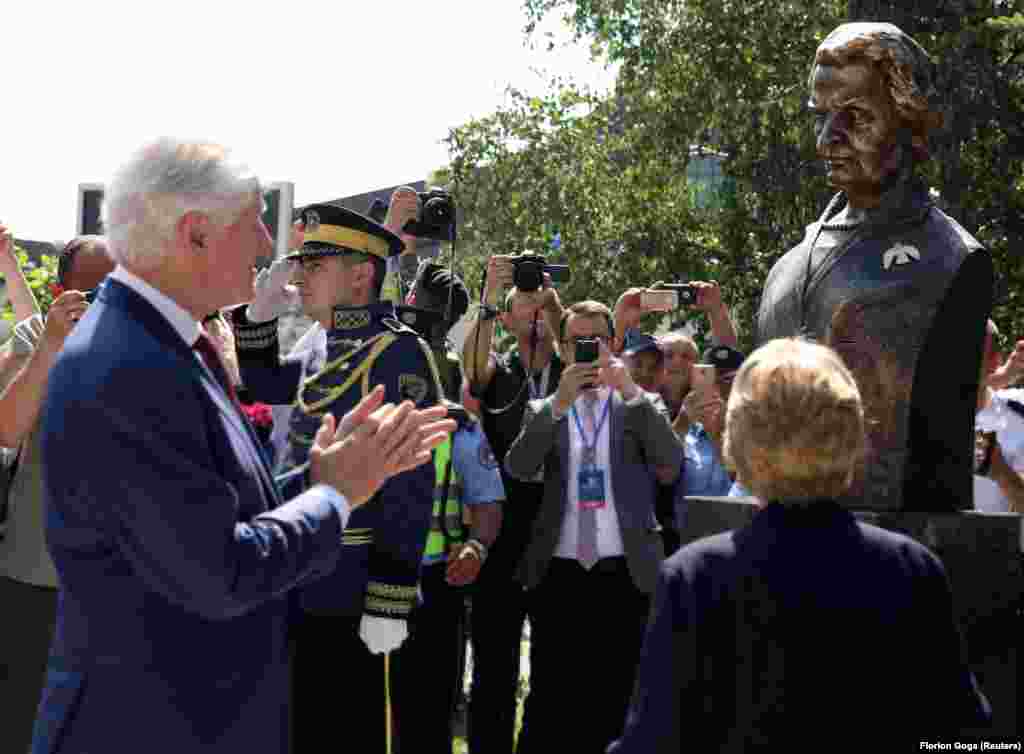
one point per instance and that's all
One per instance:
(855, 125)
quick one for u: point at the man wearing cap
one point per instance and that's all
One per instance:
(360, 610)
(428, 668)
(700, 423)
(645, 360)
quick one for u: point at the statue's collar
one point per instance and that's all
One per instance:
(905, 201)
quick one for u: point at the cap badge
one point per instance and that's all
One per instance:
(312, 221)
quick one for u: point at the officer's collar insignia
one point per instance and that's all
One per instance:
(408, 318)
(312, 221)
(412, 387)
(351, 319)
(899, 255)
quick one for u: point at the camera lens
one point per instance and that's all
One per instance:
(438, 211)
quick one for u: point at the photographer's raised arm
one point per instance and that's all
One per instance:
(709, 300)
(21, 400)
(628, 311)
(19, 294)
(477, 359)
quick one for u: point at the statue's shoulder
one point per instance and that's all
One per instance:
(943, 232)
(785, 265)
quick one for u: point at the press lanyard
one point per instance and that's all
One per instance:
(590, 449)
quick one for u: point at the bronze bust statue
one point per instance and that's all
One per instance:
(898, 287)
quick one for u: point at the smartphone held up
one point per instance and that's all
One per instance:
(666, 297)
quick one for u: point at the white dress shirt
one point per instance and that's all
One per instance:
(988, 495)
(189, 329)
(313, 340)
(609, 533)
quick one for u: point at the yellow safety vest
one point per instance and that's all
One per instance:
(453, 514)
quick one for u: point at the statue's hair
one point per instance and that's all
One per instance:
(904, 65)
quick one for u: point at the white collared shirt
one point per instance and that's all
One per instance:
(609, 533)
(189, 329)
(182, 321)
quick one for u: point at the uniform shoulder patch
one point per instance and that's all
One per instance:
(412, 387)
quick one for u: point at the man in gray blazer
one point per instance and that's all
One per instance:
(592, 561)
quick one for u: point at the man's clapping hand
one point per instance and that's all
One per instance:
(374, 442)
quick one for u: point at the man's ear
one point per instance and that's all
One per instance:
(192, 230)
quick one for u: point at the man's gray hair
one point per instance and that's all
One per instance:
(162, 182)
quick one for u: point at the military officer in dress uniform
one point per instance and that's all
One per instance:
(337, 276)
(467, 517)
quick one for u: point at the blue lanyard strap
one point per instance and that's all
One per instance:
(591, 447)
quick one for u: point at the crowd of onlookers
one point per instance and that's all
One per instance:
(600, 433)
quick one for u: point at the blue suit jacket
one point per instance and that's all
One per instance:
(174, 551)
(803, 631)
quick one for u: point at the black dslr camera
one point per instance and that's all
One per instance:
(528, 272)
(587, 350)
(437, 217)
(685, 291)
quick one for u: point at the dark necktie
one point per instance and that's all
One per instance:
(208, 352)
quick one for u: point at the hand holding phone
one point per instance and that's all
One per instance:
(702, 380)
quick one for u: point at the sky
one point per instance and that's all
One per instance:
(338, 97)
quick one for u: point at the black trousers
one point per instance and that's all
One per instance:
(337, 688)
(499, 611)
(30, 613)
(427, 669)
(586, 632)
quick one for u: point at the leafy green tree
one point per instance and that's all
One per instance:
(608, 174)
(41, 277)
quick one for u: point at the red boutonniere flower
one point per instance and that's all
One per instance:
(259, 414)
(56, 289)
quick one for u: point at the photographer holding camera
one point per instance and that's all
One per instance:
(504, 383)
(590, 566)
(679, 349)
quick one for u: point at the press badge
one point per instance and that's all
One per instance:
(591, 487)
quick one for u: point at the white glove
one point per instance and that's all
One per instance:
(27, 334)
(382, 635)
(274, 296)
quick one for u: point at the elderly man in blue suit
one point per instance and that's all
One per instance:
(175, 552)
